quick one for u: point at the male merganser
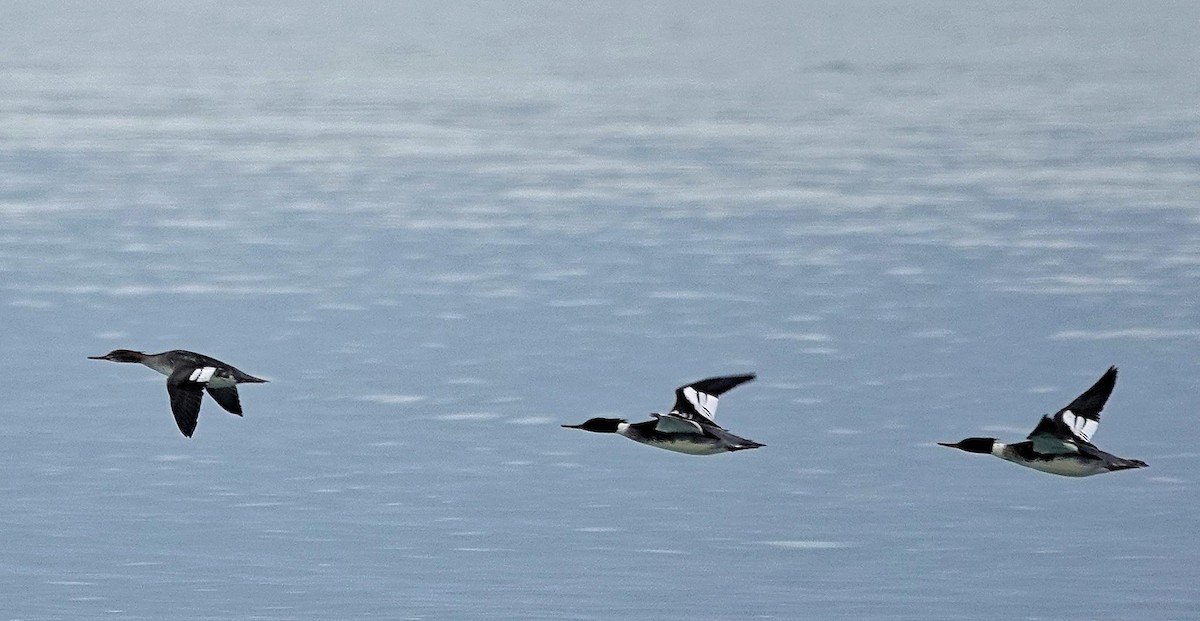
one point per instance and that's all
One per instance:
(187, 374)
(1061, 444)
(689, 427)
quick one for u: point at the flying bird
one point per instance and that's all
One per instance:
(690, 427)
(1061, 444)
(188, 375)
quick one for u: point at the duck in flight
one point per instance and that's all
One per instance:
(1061, 444)
(188, 375)
(690, 427)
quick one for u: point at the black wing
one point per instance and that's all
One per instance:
(226, 398)
(700, 398)
(1070, 430)
(1079, 420)
(185, 399)
(1089, 404)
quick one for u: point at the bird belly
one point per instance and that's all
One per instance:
(1066, 465)
(691, 445)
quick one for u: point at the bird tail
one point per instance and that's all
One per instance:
(1127, 464)
(731, 442)
(746, 444)
(243, 378)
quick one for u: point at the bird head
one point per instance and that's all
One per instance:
(598, 425)
(120, 355)
(972, 445)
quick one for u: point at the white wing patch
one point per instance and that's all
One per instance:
(704, 403)
(1081, 427)
(202, 375)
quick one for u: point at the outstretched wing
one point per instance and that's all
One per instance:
(185, 396)
(700, 398)
(226, 397)
(1075, 424)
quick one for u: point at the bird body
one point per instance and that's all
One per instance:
(710, 441)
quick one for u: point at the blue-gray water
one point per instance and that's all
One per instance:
(442, 233)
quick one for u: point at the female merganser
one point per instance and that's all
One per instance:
(189, 373)
(1061, 444)
(689, 427)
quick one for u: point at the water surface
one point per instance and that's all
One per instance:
(443, 232)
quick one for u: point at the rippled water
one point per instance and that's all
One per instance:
(443, 232)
